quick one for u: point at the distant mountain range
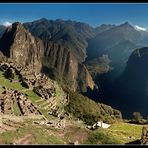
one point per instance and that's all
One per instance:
(86, 42)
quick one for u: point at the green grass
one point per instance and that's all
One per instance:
(39, 134)
(32, 96)
(75, 132)
(6, 82)
(59, 94)
(85, 109)
(117, 134)
(44, 105)
(120, 133)
(45, 113)
(99, 137)
(9, 136)
(41, 101)
(16, 109)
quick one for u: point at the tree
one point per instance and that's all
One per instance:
(137, 117)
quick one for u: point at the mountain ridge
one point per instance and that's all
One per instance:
(31, 51)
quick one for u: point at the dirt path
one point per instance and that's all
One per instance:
(8, 128)
(25, 140)
(27, 89)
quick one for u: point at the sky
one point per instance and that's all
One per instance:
(91, 13)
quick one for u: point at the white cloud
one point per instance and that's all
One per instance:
(7, 24)
(140, 28)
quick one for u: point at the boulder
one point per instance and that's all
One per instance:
(10, 73)
(4, 66)
(144, 136)
(25, 83)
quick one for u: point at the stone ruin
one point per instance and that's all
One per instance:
(10, 96)
(144, 136)
(10, 70)
(40, 84)
(44, 93)
(57, 123)
(27, 77)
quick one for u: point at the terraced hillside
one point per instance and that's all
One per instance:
(24, 130)
(33, 111)
(19, 99)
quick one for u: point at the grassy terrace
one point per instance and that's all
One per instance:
(16, 109)
(118, 133)
(31, 95)
(125, 132)
(5, 82)
(39, 135)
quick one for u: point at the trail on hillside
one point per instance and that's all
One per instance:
(25, 140)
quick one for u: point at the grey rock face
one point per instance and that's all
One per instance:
(20, 45)
(144, 137)
(17, 43)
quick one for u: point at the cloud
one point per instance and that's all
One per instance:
(140, 28)
(7, 24)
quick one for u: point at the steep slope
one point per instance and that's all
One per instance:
(111, 38)
(59, 63)
(18, 44)
(131, 87)
(103, 27)
(116, 43)
(68, 33)
(65, 44)
(99, 65)
(52, 58)
(46, 99)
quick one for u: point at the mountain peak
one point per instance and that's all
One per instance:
(126, 24)
(15, 26)
(43, 19)
(17, 43)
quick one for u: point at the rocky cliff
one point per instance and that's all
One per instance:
(68, 33)
(18, 44)
(131, 87)
(144, 136)
(53, 58)
(60, 59)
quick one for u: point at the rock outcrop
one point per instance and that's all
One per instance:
(132, 86)
(18, 44)
(30, 52)
(68, 33)
(144, 136)
(60, 58)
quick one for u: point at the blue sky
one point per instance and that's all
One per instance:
(93, 14)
